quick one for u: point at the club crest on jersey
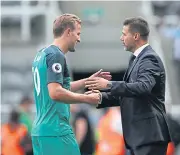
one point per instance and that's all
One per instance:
(57, 68)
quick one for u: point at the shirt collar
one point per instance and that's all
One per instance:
(139, 50)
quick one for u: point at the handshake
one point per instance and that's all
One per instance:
(94, 84)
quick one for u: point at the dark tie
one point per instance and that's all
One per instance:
(131, 60)
(130, 64)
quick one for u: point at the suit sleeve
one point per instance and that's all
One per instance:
(148, 73)
(108, 100)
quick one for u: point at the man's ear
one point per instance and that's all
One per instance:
(67, 32)
(136, 36)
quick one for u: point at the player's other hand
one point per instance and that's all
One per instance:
(93, 96)
(100, 73)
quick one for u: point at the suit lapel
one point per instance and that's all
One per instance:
(125, 74)
(130, 63)
(129, 70)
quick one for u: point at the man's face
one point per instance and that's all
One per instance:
(74, 37)
(127, 39)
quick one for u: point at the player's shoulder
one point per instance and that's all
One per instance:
(53, 51)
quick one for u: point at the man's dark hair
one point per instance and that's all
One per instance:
(138, 25)
(63, 22)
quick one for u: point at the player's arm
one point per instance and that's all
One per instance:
(55, 74)
(78, 85)
(57, 92)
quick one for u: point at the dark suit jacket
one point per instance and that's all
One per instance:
(141, 97)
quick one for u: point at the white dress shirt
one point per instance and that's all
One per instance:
(139, 50)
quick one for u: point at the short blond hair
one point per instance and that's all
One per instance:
(63, 22)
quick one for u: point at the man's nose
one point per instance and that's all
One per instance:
(79, 40)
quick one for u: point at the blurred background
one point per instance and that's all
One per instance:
(26, 27)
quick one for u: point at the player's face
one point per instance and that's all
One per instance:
(127, 39)
(74, 37)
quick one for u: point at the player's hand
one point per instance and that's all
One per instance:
(94, 96)
(100, 73)
(96, 83)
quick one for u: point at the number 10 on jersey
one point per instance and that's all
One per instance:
(37, 82)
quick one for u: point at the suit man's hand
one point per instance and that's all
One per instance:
(96, 83)
(100, 73)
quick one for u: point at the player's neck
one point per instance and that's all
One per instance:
(62, 46)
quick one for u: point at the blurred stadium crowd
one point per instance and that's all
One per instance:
(26, 27)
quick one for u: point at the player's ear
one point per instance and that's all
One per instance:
(68, 32)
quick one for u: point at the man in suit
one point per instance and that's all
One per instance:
(141, 94)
